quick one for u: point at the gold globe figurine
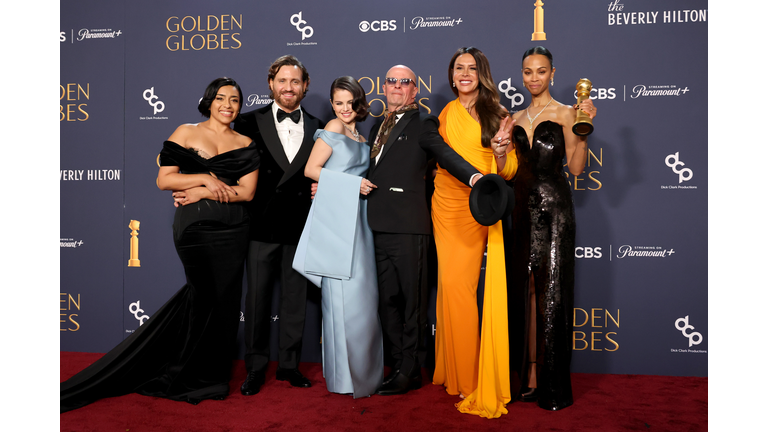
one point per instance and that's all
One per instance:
(583, 124)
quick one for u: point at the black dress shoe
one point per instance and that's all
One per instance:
(392, 374)
(294, 377)
(252, 383)
(529, 395)
(400, 384)
(193, 401)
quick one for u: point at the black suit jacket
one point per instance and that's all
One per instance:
(280, 206)
(399, 204)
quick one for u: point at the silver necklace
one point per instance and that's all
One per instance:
(531, 120)
(353, 132)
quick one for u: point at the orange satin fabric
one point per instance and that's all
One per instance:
(466, 362)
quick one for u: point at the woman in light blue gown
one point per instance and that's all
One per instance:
(336, 252)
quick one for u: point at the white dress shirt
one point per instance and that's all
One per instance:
(291, 134)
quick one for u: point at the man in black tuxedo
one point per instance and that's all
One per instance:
(401, 223)
(283, 133)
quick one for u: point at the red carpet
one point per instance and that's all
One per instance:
(601, 403)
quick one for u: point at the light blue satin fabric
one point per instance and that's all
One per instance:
(336, 253)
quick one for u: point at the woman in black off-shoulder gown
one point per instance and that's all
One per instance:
(541, 285)
(184, 351)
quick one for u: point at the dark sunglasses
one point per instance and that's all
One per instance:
(405, 82)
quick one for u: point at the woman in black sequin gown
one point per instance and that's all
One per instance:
(542, 259)
(184, 351)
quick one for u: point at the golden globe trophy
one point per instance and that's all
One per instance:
(583, 124)
(538, 22)
(134, 260)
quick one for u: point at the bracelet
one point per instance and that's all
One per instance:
(499, 157)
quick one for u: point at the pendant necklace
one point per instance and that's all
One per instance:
(353, 132)
(531, 120)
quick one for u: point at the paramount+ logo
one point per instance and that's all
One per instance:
(378, 26)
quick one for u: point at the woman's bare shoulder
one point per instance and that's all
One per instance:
(183, 133)
(336, 126)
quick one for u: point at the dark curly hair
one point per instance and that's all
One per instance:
(212, 90)
(359, 103)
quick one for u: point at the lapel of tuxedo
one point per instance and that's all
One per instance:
(300, 160)
(396, 131)
(372, 139)
(266, 122)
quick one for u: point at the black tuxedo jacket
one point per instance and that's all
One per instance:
(399, 203)
(280, 206)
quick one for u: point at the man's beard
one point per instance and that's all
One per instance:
(289, 105)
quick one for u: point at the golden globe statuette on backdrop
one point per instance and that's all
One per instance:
(583, 124)
(134, 260)
(538, 22)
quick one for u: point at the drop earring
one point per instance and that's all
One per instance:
(552, 81)
(454, 84)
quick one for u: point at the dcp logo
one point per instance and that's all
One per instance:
(506, 88)
(149, 96)
(673, 161)
(682, 325)
(390, 25)
(599, 93)
(136, 310)
(589, 252)
(306, 31)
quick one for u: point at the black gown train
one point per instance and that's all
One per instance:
(543, 247)
(184, 351)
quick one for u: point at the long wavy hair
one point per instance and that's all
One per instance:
(487, 104)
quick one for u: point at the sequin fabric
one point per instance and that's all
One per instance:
(545, 231)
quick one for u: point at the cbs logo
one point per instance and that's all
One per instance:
(589, 252)
(600, 93)
(390, 25)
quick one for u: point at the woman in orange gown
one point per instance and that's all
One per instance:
(469, 364)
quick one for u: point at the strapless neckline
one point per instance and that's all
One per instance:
(194, 151)
(524, 134)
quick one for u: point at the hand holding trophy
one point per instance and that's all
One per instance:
(583, 124)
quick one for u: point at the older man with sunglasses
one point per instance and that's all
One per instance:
(402, 143)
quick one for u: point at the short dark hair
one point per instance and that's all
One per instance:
(287, 60)
(212, 90)
(539, 50)
(359, 103)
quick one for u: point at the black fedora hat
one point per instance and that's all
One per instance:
(491, 199)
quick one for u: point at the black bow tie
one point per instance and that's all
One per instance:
(295, 115)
